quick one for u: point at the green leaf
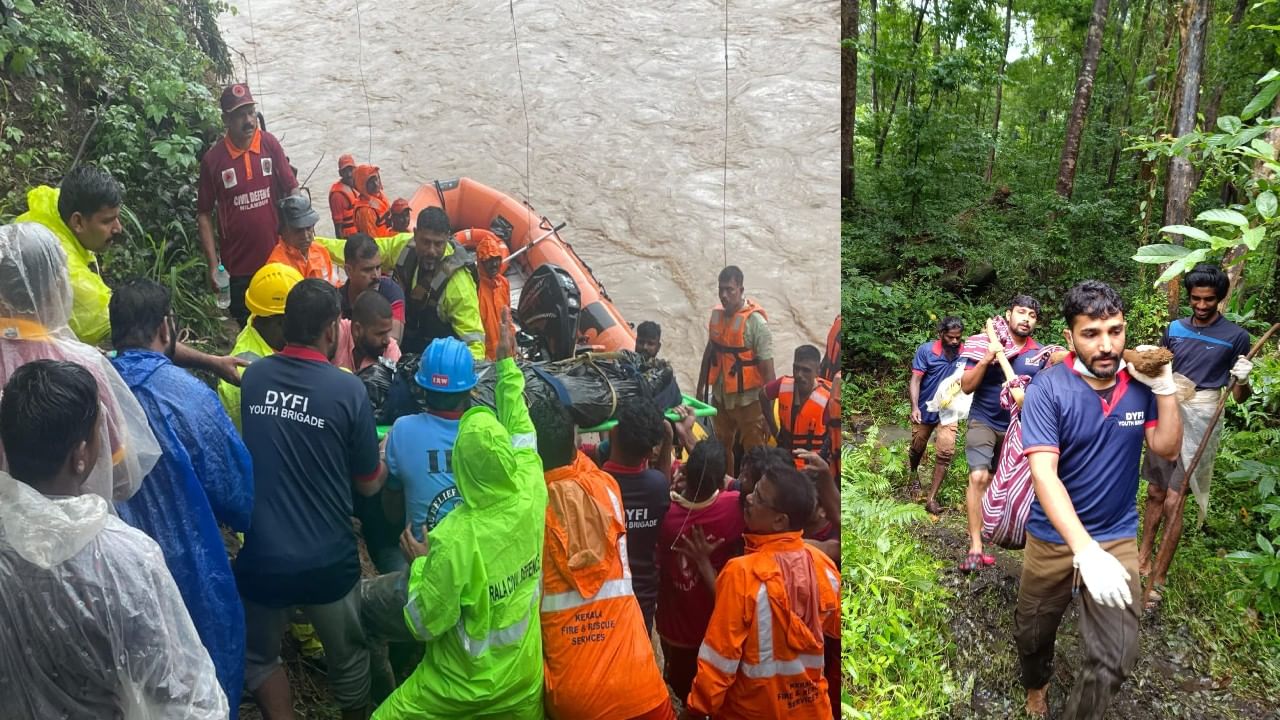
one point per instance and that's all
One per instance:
(1187, 230)
(1266, 204)
(1229, 124)
(1263, 148)
(1265, 544)
(1182, 143)
(1262, 100)
(1271, 75)
(1161, 253)
(1180, 266)
(1253, 236)
(1222, 216)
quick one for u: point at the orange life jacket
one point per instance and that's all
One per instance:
(342, 206)
(471, 238)
(598, 658)
(809, 428)
(762, 656)
(315, 264)
(495, 292)
(732, 358)
(831, 360)
(833, 426)
(372, 213)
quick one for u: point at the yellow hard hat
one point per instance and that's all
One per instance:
(269, 288)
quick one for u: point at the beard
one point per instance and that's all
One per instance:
(1107, 373)
(1021, 331)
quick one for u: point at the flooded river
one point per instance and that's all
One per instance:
(626, 106)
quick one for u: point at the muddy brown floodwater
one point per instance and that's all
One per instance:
(626, 105)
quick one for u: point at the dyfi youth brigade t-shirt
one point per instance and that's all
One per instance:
(309, 428)
(646, 495)
(986, 399)
(1099, 445)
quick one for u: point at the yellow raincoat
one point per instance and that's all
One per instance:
(90, 295)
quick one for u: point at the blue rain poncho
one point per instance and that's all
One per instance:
(204, 476)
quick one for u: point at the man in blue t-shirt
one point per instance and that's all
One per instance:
(988, 422)
(1210, 351)
(420, 447)
(310, 431)
(646, 493)
(934, 362)
(1084, 422)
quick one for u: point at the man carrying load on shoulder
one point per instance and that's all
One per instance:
(1084, 422)
(474, 581)
(439, 277)
(933, 363)
(988, 421)
(1209, 350)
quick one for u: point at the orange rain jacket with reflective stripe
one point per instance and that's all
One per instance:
(599, 660)
(733, 358)
(762, 656)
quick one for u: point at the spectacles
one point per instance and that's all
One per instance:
(757, 499)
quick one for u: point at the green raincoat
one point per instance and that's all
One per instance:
(473, 599)
(90, 295)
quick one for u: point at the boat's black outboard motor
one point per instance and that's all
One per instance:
(548, 311)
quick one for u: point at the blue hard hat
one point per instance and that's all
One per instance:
(446, 366)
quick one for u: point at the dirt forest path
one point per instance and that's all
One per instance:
(1170, 680)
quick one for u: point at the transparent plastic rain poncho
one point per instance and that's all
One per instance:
(35, 305)
(93, 624)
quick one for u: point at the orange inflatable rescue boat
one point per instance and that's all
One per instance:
(533, 242)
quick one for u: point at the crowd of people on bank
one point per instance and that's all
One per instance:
(159, 537)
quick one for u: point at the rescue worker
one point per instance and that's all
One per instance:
(439, 278)
(474, 582)
(365, 338)
(831, 359)
(648, 339)
(599, 659)
(243, 177)
(802, 398)
(310, 430)
(296, 245)
(263, 334)
(94, 625)
(400, 216)
(736, 365)
(494, 289)
(342, 198)
(762, 656)
(1210, 350)
(35, 304)
(83, 213)
(204, 476)
(372, 209)
(362, 260)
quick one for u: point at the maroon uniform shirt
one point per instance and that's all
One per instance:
(245, 186)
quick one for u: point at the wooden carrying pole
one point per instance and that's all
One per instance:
(1165, 557)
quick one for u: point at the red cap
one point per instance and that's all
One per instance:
(235, 96)
(400, 205)
(346, 161)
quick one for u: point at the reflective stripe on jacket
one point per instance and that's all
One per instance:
(762, 656)
(599, 660)
(732, 358)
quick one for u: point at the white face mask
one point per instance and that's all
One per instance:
(1084, 370)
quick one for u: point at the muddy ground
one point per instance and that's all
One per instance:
(1171, 679)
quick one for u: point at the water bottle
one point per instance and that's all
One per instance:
(223, 279)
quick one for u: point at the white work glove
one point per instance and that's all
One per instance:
(1104, 576)
(1161, 384)
(1240, 371)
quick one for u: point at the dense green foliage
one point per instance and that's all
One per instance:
(127, 84)
(893, 623)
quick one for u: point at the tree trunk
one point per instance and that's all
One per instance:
(875, 48)
(1212, 105)
(848, 96)
(897, 86)
(995, 124)
(1147, 176)
(1080, 106)
(1108, 79)
(1179, 181)
(1132, 75)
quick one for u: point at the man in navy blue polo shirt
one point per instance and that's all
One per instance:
(988, 422)
(310, 430)
(934, 362)
(1084, 422)
(1209, 350)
